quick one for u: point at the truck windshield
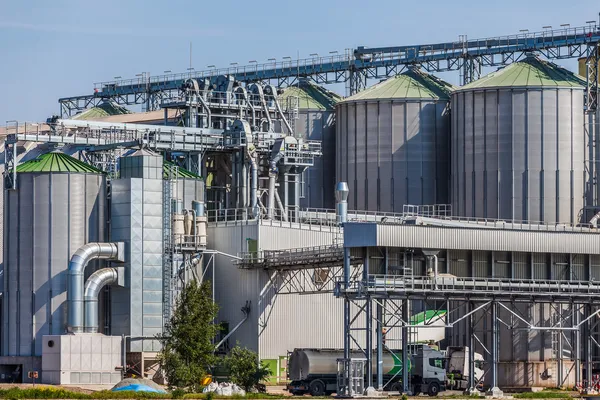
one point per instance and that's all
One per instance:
(437, 362)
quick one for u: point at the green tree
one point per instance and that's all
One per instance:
(245, 370)
(187, 344)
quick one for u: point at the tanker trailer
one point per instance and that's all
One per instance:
(314, 371)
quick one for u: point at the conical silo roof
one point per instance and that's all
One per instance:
(310, 97)
(530, 72)
(56, 162)
(412, 84)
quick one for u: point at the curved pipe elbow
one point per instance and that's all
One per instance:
(95, 283)
(75, 281)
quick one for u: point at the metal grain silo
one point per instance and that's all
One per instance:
(518, 144)
(312, 111)
(58, 206)
(393, 143)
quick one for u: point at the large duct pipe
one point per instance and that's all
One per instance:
(594, 220)
(254, 186)
(81, 258)
(99, 279)
(341, 202)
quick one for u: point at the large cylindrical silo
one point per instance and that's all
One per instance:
(314, 120)
(393, 143)
(58, 206)
(518, 146)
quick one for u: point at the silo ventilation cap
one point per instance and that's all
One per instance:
(341, 192)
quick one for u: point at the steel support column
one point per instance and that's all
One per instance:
(405, 321)
(347, 331)
(494, 390)
(588, 347)
(368, 324)
(379, 346)
(471, 355)
(576, 319)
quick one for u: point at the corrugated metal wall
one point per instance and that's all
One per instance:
(137, 220)
(319, 180)
(46, 219)
(393, 153)
(518, 154)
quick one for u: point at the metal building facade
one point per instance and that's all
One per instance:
(393, 143)
(46, 219)
(137, 220)
(311, 111)
(518, 145)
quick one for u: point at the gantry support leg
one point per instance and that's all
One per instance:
(471, 354)
(405, 345)
(368, 325)
(495, 390)
(588, 349)
(380, 346)
(576, 319)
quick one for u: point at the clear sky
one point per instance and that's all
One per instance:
(58, 48)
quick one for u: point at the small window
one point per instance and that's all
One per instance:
(50, 343)
(436, 362)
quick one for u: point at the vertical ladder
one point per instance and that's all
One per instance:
(169, 184)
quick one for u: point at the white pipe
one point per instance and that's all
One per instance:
(254, 186)
(278, 108)
(280, 204)
(271, 200)
(99, 279)
(75, 280)
(435, 271)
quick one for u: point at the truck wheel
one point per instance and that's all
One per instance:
(317, 388)
(396, 387)
(434, 389)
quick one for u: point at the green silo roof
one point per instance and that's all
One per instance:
(412, 84)
(181, 172)
(310, 97)
(57, 162)
(532, 72)
(103, 110)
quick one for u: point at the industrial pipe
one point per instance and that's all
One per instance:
(261, 96)
(594, 220)
(341, 202)
(99, 279)
(278, 108)
(81, 258)
(284, 215)
(254, 186)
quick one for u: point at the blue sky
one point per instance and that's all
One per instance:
(58, 48)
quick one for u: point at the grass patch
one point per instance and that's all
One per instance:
(542, 395)
(60, 393)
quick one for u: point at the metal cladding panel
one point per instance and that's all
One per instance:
(398, 151)
(468, 157)
(399, 148)
(361, 157)
(534, 155)
(442, 153)
(386, 173)
(371, 234)
(234, 286)
(351, 154)
(122, 225)
(372, 157)
(50, 216)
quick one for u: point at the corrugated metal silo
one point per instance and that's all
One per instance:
(518, 145)
(393, 143)
(315, 120)
(58, 206)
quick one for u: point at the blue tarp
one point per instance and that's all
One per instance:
(137, 387)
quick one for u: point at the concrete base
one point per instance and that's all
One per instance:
(495, 393)
(86, 358)
(472, 392)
